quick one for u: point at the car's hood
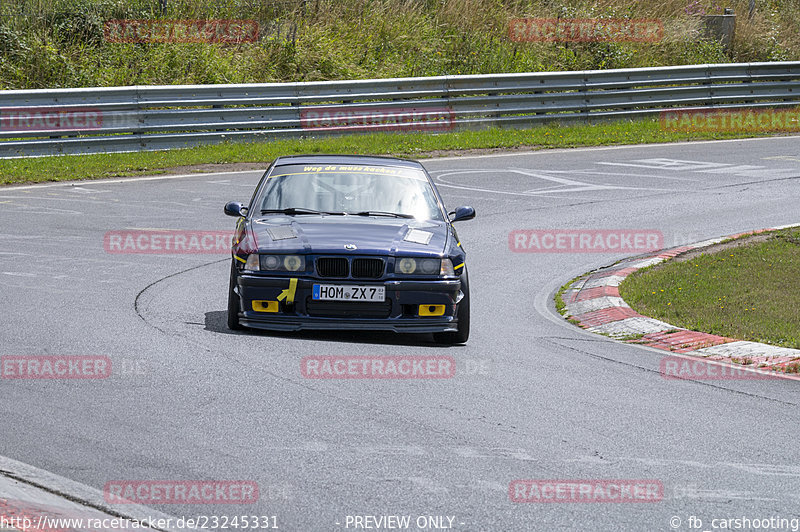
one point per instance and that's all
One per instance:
(330, 234)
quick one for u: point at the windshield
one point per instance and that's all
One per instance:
(350, 189)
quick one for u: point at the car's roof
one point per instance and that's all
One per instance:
(346, 159)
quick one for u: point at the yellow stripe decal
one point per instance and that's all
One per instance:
(459, 266)
(240, 259)
(458, 244)
(288, 294)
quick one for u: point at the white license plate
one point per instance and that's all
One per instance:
(334, 292)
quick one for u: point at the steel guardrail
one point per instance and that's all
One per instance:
(122, 119)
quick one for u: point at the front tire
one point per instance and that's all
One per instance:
(233, 303)
(462, 314)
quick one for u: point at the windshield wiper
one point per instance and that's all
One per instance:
(384, 213)
(297, 210)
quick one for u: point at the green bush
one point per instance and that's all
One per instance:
(60, 43)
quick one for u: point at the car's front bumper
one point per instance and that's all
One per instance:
(398, 313)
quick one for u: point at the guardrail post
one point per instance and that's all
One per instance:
(137, 105)
(446, 98)
(749, 79)
(217, 107)
(707, 82)
(583, 89)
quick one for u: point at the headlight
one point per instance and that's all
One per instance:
(429, 266)
(447, 268)
(292, 263)
(252, 263)
(409, 266)
(275, 263)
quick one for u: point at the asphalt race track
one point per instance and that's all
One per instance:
(533, 397)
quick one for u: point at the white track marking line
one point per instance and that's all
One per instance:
(608, 148)
(126, 180)
(579, 186)
(599, 173)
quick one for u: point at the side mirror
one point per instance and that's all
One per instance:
(234, 208)
(462, 213)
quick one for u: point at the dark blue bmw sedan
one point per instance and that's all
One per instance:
(349, 242)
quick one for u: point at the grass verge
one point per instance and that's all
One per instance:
(63, 43)
(418, 145)
(745, 289)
